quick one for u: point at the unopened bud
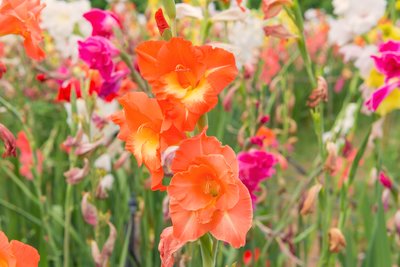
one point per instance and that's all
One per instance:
(166, 159)
(311, 198)
(3, 69)
(331, 159)
(397, 221)
(385, 198)
(9, 142)
(162, 24)
(75, 175)
(319, 94)
(336, 240)
(89, 211)
(271, 8)
(385, 180)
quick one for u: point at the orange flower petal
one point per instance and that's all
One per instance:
(6, 254)
(140, 109)
(22, 17)
(186, 225)
(119, 119)
(221, 67)
(188, 187)
(147, 59)
(201, 145)
(168, 246)
(25, 255)
(236, 222)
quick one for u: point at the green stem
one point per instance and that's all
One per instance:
(20, 211)
(134, 74)
(208, 250)
(67, 223)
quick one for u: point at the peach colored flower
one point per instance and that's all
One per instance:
(21, 17)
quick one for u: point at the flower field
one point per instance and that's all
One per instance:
(199, 133)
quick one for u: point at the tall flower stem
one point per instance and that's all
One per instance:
(318, 118)
(209, 247)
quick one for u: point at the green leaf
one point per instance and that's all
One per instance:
(378, 253)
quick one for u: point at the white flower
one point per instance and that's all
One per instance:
(61, 20)
(361, 56)
(355, 18)
(247, 36)
(186, 10)
(107, 182)
(103, 162)
(230, 14)
(341, 7)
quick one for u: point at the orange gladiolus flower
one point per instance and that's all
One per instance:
(140, 127)
(17, 254)
(22, 17)
(206, 194)
(185, 79)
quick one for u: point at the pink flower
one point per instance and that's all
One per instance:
(388, 63)
(103, 22)
(254, 167)
(26, 157)
(379, 95)
(385, 180)
(98, 53)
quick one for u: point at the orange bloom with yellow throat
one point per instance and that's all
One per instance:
(140, 124)
(206, 194)
(21, 17)
(185, 79)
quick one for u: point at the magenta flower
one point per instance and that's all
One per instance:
(255, 166)
(385, 180)
(388, 63)
(112, 85)
(98, 53)
(103, 22)
(380, 94)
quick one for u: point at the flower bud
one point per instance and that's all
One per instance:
(331, 159)
(9, 142)
(170, 8)
(162, 24)
(311, 198)
(385, 180)
(385, 199)
(272, 8)
(89, 211)
(397, 221)
(318, 94)
(75, 175)
(41, 77)
(3, 69)
(104, 186)
(264, 119)
(336, 240)
(166, 159)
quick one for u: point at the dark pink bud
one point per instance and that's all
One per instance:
(385, 180)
